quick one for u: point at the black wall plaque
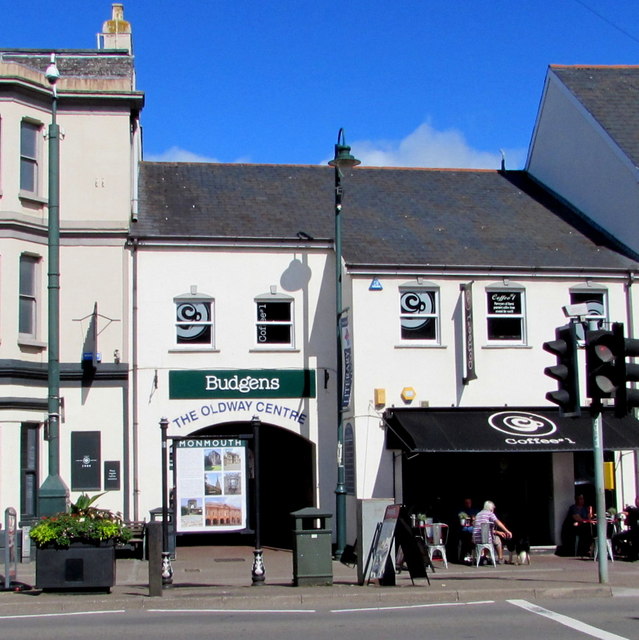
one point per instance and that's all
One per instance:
(85, 461)
(111, 475)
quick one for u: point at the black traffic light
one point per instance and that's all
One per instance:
(566, 371)
(602, 377)
(607, 371)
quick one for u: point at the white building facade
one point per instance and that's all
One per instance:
(98, 112)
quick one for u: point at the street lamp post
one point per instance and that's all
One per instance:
(342, 160)
(258, 573)
(167, 569)
(54, 494)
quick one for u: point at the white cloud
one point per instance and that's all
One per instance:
(175, 154)
(426, 147)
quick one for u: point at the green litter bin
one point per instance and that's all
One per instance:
(312, 539)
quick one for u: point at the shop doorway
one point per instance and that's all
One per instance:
(520, 484)
(286, 484)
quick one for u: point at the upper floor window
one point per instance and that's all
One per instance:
(506, 316)
(194, 324)
(419, 313)
(597, 309)
(29, 156)
(28, 295)
(274, 320)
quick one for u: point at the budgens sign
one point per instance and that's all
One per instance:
(242, 383)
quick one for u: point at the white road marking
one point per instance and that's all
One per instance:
(414, 606)
(567, 621)
(58, 615)
(232, 611)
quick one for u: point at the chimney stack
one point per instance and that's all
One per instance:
(116, 33)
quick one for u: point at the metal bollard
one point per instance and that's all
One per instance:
(154, 546)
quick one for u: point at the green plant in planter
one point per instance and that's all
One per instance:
(82, 523)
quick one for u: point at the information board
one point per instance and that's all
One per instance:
(211, 485)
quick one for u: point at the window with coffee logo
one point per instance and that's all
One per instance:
(274, 321)
(194, 326)
(506, 315)
(419, 314)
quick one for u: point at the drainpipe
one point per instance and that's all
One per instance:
(134, 379)
(630, 322)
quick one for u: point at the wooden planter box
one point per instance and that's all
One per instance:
(80, 567)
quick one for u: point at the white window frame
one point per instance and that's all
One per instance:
(260, 336)
(409, 313)
(32, 296)
(521, 315)
(33, 161)
(191, 300)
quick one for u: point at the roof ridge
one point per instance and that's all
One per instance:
(321, 166)
(594, 66)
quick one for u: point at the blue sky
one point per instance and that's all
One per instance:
(430, 83)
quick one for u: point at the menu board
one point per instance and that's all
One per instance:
(504, 303)
(211, 485)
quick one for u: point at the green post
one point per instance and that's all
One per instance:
(600, 496)
(342, 160)
(54, 494)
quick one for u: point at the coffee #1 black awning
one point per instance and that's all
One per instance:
(502, 429)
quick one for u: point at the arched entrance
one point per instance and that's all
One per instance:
(286, 481)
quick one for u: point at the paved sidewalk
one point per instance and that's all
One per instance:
(220, 578)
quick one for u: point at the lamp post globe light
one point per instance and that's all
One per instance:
(342, 160)
(53, 495)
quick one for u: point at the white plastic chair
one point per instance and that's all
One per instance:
(609, 532)
(486, 544)
(436, 537)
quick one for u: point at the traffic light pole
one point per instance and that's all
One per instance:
(600, 498)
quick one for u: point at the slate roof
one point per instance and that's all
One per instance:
(390, 216)
(611, 96)
(74, 63)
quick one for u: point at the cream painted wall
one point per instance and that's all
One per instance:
(234, 277)
(511, 376)
(96, 175)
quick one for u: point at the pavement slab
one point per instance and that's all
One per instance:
(217, 577)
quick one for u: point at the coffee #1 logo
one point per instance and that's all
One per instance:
(522, 423)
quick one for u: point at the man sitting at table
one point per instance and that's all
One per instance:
(576, 529)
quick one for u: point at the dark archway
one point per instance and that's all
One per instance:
(286, 483)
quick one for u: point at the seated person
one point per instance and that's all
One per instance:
(576, 525)
(628, 540)
(498, 529)
(466, 516)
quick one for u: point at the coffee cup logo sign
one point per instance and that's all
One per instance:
(522, 423)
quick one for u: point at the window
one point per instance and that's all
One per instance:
(597, 311)
(28, 304)
(419, 313)
(274, 320)
(29, 154)
(194, 320)
(29, 482)
(506, 316)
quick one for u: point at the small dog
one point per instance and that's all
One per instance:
(519, 550)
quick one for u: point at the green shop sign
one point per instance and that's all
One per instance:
(242, 383)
